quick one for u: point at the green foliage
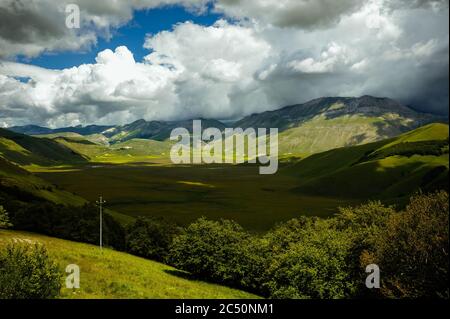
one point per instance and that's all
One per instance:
(301, 259)
(311, 261)
(363, 223)
(326, 259)
(150, 238)
(412, 250)
(74, 223)
(27, 272)
(4, 218)
(111, 274)
(210, 249)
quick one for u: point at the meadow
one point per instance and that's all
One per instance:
(111, 274)
(389, 170)
(186, 193)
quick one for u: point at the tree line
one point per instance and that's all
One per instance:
(307, 257)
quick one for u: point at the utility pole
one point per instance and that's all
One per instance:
(100, 203)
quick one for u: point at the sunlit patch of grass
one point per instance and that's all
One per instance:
(112, 274)
(196, 184)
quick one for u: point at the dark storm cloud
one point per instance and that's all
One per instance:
(22, 23)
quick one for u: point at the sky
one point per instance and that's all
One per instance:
(222, 59)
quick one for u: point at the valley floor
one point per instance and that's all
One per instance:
(184, 194)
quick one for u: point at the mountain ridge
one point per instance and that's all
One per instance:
(317, 125)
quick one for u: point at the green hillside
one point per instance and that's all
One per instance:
(134, 150)
(21, 184)
(387, 169)
(112, 274)
(331, 122)
(321, 134)
(28, 151)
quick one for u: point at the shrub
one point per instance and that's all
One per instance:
(27, 272)
(210, 250)
(4, 218)
(363, 223)
(151, 238)
(412, 251)
(314, 265)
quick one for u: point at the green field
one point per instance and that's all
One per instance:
(316, 185)
(184, 194)
(112, 274)
(136, 178)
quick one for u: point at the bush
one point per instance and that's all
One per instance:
(364, 223)
(412, 251)
(151, 238)
(4, 219)
(27, 272)
(309, 260)
(210, 250)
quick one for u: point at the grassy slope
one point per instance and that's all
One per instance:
(13, 178)
(31, 151)
(112, 274)
(345, 172)
(135, 150)
(321, 134)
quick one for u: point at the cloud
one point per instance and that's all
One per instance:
(232, 69)
(216, 65)
(193, 71)
(30, 27)
(290, 13)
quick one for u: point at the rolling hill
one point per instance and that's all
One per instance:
(19, 184)
(114, 275)
(26, 150)
(316, 126)
(388, 169)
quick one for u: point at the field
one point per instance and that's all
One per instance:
(389, 170)
(184, 194)
(112, 274)
(137, 179)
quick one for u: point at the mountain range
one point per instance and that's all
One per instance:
(307, 128)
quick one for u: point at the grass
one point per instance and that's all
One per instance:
(27, 150)
(14, 178)
(111, 274)
(316, 185)
(185, 193)
(321, 134)
(354, 173)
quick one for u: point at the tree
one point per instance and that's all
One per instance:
(211, 250)
(27, 272)
(363, 223)
(313, 265)
(150, 238)
(412, 252)
(4, 219)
